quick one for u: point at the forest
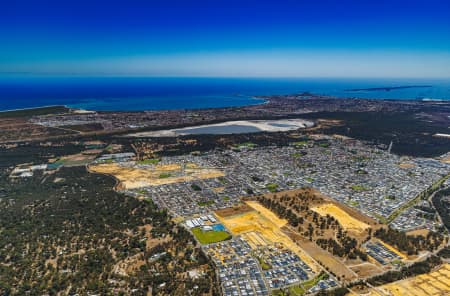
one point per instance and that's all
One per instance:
(68, 231)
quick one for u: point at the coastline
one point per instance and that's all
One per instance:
(253, 101)
(35, 108)
(114, 95)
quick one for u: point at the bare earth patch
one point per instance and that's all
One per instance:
(347, 221)
(263, 226)
(131, 176)
(435, 283)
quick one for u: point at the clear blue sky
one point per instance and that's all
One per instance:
(226, 38)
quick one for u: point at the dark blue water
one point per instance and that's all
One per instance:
(122, 94)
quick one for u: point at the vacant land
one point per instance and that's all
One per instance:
(333, 263)
(348, 222)
(330, 232)
(79, 159)
(237, 210)
(268, 214)
(402, 255)
(268, 226)
(131, 176)
(254, 239)
(365, 269)
(211, 236)
(433, 283)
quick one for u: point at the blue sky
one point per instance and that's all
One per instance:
(226, 38)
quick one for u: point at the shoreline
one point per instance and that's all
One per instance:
(35, 108)
(263, 100)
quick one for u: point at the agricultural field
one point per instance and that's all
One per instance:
(262, 226)
(348, 222)
(132, 176)
(431, 284)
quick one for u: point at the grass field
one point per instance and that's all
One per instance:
(79, 159)
(301, 289)
(148, 161)
(358, 188)
(164, 175)
(347, 221)
(431, 284)
(209, 237)
(272, 187)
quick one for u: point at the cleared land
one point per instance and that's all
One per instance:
(347, 221)
(333, 263)
(211, 236)
(79, 159)
(431, 284)
(237, 210)
(404, 256)
(254, 239)
(305, 202)
(131, 176)
(267, 225)
(365, 269)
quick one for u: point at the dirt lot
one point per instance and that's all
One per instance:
(132, 176)
(77, 159)
(350, 211)
(406, 165)
(348, 222)
(432, 284)
(304, 202)
(334, 264)
(423, 232)
(237, 210)
(261, 225)
(365, 269)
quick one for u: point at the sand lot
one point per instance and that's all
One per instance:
(432, 284)
(261, 226)
(347, 221)
(131, 176)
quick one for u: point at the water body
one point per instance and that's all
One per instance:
(220, 130)
(218, 227)
(135, 94)
(231, 127)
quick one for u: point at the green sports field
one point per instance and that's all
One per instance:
(209, 237)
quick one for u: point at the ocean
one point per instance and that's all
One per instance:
(134, 94)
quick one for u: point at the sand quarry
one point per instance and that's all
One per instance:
(131, 177)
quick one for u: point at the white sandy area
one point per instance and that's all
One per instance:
(262, 125)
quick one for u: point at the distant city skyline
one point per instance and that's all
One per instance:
(226, 38)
